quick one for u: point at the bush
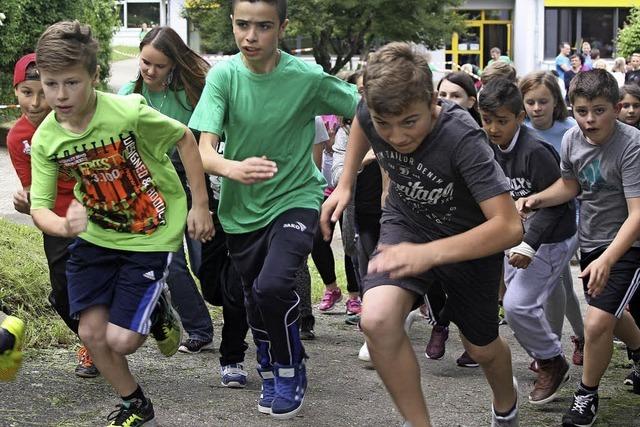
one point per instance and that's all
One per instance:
(24, 286)
(27, 19)
(628, 41)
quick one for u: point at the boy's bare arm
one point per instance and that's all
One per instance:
(598, 270)
(248, 171)
(199, 222)
(74, 223)
(561, 191)
(332, 208)
(501, 230)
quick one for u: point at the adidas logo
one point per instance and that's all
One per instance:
(297, 225)
(150, 275)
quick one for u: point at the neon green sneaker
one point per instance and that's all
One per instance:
(166, 328)
(132, 414)
(11, 356)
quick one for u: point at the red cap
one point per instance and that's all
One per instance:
(20, 71)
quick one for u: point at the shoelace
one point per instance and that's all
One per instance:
(122, 414)
(85, 357)
(580, 402)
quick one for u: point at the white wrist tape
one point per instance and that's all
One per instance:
(523, 249)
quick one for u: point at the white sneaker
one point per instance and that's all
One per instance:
(510, 420)
(412, 317)
(363, 354)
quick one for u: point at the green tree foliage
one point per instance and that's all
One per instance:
(628, 41)
(25, 20)
(342, 28)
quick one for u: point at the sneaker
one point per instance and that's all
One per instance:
(436, 345)
(363, 354)
(233, 375)
(411, 319)
(291, 384)
(510, 420)
(306, 328)
(166, 328)
(86, 368)
(634, 378)
(193, 346)
(578, 350)
(583, 411)
(11, 356)
(132, 414)
(502, 318)
(354, 306)
(552, 375)
(465, 361)
(618, 343)
(268, 390)
(329, 300)
(353, 320)
(534, 366)
(628, 380)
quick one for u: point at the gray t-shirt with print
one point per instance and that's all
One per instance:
(608, 174)
(439, 186)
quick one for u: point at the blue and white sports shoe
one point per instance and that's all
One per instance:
(268, 391)
(291, 384)
(233, 375)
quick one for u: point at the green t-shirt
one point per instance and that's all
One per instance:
(171, 104)
(124, 178)
(270, 115)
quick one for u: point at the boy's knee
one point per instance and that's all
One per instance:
(595, 327)
(90, 336)
(123, 344)
(376, 325)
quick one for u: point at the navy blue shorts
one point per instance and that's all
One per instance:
(128, 283)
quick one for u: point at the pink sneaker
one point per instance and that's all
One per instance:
(329, 300)
(354, 306)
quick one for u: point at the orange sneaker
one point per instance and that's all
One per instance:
(86, 368)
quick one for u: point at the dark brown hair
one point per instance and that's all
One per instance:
(593, 84)
(189, 69)
(281, 7)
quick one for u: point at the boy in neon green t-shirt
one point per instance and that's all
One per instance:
(129, 214)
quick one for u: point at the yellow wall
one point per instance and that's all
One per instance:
(591, 3)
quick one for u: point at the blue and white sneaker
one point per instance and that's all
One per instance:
(233, 375)
(291, 384)
(268, 392)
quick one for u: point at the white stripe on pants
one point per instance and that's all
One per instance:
(527, 291)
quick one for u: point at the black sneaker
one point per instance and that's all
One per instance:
(134, 415)
(306, 328)
(166, 327)
(194, 346)
(583, 411)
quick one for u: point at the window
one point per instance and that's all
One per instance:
(137, 13)
(598, 26)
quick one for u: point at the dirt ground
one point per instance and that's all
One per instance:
(343, 391)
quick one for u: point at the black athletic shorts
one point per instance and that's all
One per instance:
(623, 282)
(471, 286)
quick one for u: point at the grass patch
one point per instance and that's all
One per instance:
(120, 53)
(24, 286)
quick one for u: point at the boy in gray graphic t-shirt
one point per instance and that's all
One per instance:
(600, 165)
(447, 218)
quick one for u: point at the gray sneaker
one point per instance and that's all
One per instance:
(510, 420)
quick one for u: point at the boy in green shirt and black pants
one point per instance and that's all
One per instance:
(265, 101)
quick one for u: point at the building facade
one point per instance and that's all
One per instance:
(133, 13)
(529, 31)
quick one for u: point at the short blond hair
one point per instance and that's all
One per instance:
(498, 69)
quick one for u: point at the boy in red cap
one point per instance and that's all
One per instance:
(28, 90)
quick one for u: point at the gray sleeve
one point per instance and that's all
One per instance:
(566, 168)
(631, 171)
(339, 151)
